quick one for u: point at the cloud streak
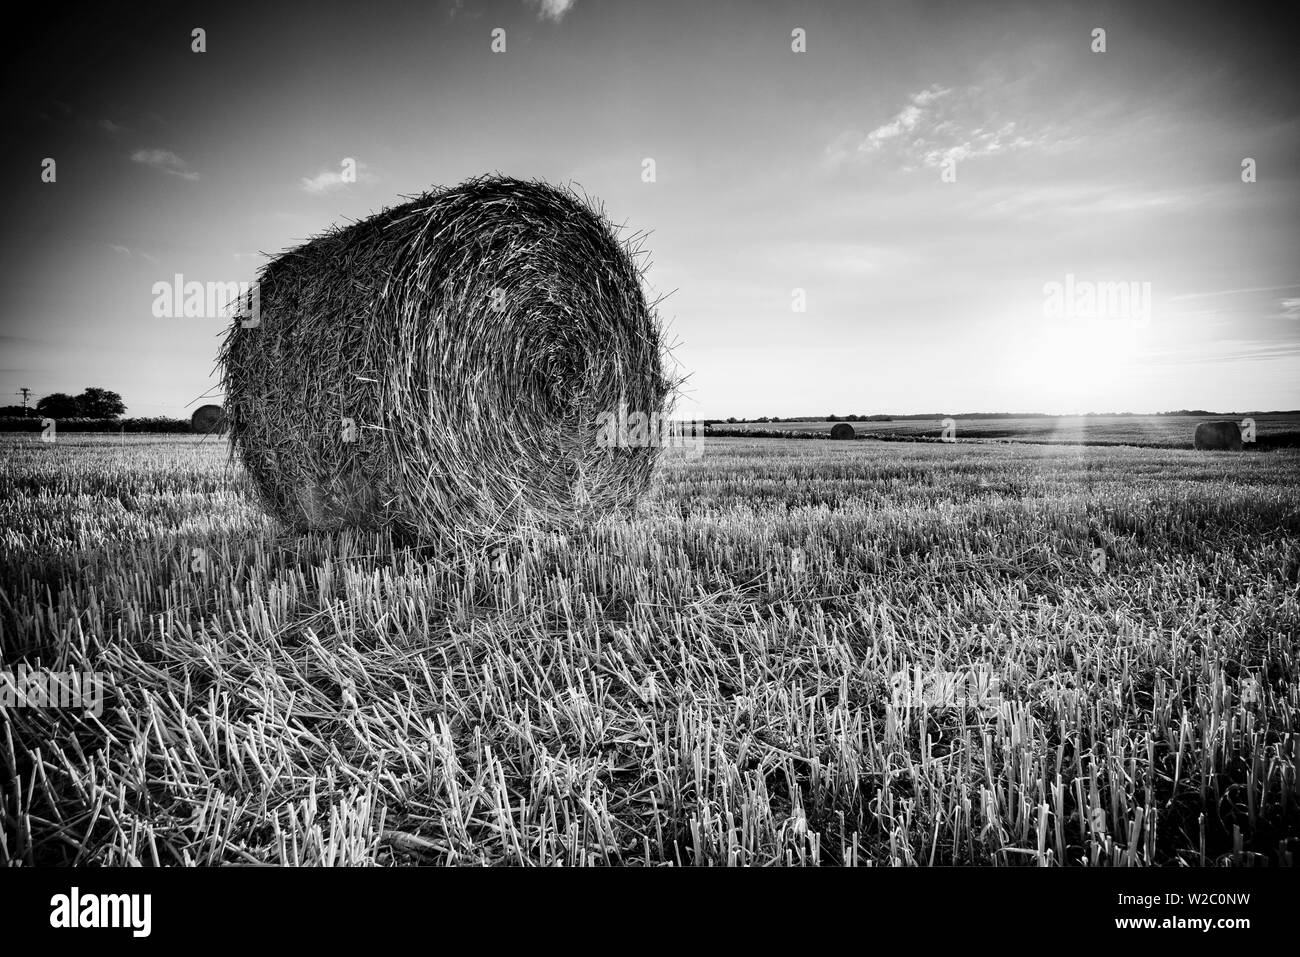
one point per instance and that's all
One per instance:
(165, 161)
(936, 126)
(329, 180)
(553, 10)
(1232, 292)
(126, 251)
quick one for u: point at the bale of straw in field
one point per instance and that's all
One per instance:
(842, 430)
(1218, 435)
(446, 367)
(208, 420)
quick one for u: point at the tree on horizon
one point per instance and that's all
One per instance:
(93, 403)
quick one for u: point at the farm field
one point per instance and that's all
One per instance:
(796, 653)
(1158, 431)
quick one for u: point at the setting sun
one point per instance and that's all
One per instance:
(1074, 365)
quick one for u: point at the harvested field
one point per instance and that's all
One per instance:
(1275, 430)
(800, 652)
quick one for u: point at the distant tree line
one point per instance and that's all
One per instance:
(93, 403)
(918, 416)
(94, 410)
(32, 423)
(809, 418)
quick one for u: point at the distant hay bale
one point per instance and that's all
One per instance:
(441, 368)
(1218, 435)
(208, 420)
(842, 430)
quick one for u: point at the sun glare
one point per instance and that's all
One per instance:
(1079, 365)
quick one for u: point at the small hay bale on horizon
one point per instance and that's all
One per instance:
(842, 430)
(440, 368)
(1223, 436)
(208, 420)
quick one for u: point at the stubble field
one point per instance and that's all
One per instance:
(797, 653)
(1274, 430)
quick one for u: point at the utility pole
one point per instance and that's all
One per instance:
(24, 392)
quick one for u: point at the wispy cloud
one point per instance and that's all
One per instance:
(113, 129)
(553, 10)
(1224, 350)
(1084, 200)
(1290, 309)
(166, 161)
(935, 126)
(458, 11)
(1233, 292)
(906, 120)
(328, 180)
(126, 251)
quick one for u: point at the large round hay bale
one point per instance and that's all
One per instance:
(842, 430)
(447, 367)
(1218, 435)
(208, 420)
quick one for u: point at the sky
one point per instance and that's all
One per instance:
(871, 224)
